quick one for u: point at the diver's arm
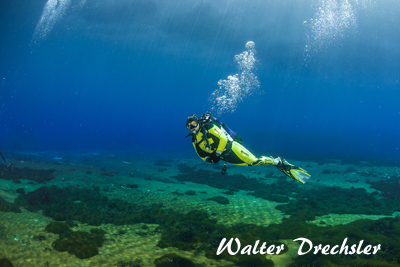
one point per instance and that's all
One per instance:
(200, 152)
(212, 158)
(223, 140)
(207, 157)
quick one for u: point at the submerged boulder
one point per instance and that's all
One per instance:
(220, 200)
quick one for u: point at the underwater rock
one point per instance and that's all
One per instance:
(107, 174)
(196, 231)
(4, 262)
(350, 169)
(220, 200)
(352, 180)
(272, 197)
(269, 175)
(325, 200)
(254, 260)
(239, 182)
(349, 161)
(167, 181)
(38, 238)
(15, 174)
(390, 188)
(177, 193)
(20, 191)
(387, 237)
(163, 162)
(134, 263)
(368, 173)
(71, 223)
(190, 193)
(330, 172)
(81, 244)
(58, 228)
(173, 260)
(131, 186)
(8, 207)
(87, 205)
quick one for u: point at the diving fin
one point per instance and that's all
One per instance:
(292, 171)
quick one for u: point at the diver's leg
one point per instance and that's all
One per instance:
(266, 161)
(239, 155)
(288, 169)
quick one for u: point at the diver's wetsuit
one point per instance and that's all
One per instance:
(232, 151)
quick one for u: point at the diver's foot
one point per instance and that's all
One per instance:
(291, 171)
(266, 161)
(278, 161)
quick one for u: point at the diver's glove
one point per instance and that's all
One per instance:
(218, 153)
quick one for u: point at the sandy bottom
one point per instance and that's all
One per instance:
(18, 231)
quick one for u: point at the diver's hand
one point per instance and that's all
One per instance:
(218, 153)
(211, 159)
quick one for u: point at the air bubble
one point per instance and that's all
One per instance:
(250, 45)
(236, 87)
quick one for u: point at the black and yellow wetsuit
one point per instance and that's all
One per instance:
(219, 140)
(212, 143)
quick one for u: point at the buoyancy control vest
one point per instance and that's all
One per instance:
(232, 136)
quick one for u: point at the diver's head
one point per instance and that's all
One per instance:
(193, 124)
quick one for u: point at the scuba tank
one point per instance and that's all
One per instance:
(207, 117)
(234, 135)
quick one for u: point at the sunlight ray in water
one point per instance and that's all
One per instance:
(53, 11)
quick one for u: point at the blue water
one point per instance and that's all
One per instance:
(124, 75)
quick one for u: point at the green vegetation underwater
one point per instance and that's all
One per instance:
(95, 169)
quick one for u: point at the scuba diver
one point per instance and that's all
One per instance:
(221, 143)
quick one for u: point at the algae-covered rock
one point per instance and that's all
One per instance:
(8, 207)
(254, 260)
(190, 193)
(58, 228)
(81, 244)
(173, 260)
(20, 191)
(15, 174)
(4, 262)
(220, 200)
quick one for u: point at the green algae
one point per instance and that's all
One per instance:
(196, 231)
